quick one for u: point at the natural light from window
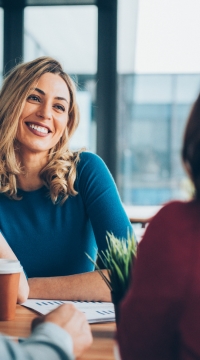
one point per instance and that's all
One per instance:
(167, 36)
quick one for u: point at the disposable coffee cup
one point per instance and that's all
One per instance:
(9, 282)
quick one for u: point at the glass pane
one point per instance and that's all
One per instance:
(157, 85)
(69, 34)
(166, 36)
(1, 45)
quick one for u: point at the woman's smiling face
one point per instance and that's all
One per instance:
(45, 115)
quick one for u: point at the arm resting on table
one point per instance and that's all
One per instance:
(87, 286)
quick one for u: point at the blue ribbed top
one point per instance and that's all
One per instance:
(51, 240)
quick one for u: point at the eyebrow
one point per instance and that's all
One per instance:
(43, 93)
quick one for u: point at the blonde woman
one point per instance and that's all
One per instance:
(55, 204)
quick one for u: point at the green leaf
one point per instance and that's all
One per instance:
(118, 259)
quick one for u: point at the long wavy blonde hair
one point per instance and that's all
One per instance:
(59, 173)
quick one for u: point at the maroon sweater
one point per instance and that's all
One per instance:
(160, 316)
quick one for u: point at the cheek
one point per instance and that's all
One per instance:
(63, 125)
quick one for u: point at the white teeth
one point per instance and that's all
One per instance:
(39, 128)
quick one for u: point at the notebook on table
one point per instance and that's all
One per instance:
(96, 312)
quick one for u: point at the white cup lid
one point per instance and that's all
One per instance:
(8, 266)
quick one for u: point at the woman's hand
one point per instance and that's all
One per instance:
(7, 253)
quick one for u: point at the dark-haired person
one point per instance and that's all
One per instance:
(55, 204)
(160, 316)
(63, 334)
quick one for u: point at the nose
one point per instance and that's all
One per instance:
(44, 111)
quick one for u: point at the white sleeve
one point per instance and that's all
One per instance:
(48, 341)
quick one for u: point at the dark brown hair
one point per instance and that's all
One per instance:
(191, 146)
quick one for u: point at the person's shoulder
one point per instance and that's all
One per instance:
(171, 207)
(92, 169)
(89, 156)
(174, 211)
(91, 160)
(168, 223)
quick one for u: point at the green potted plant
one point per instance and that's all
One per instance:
(118, 259)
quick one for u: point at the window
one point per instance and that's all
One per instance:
(158, 80)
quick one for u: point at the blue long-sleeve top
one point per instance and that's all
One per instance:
(51, 240)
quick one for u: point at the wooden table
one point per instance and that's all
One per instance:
(103, 334)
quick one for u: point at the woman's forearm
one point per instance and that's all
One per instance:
(23, 290)
(87, 286)
(7, 253)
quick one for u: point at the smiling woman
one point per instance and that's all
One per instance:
(42, 123)
(67, 201)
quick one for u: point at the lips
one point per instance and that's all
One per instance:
(38, 128)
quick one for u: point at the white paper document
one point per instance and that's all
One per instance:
(95, 312)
